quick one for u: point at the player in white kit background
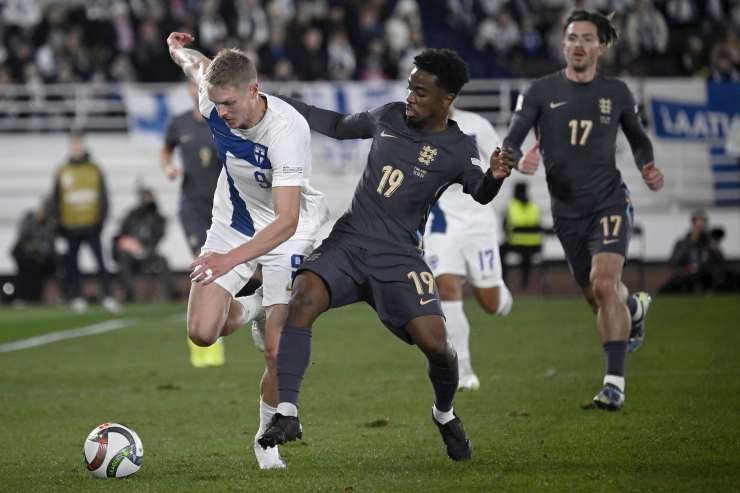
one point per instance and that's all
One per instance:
(461, 244)
(264, 210)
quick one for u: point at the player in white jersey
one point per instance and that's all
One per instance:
(264, 211)
(461, 244)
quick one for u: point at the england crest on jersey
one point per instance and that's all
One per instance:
(260, 153)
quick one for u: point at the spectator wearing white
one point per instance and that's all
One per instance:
(211, 27)
(500, 33)
(646, 30)
(22, 13)
(252, 22)
(341, 57)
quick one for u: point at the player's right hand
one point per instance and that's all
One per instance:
(177, 40)
(502, 162)
(531, 160)
(652, 176)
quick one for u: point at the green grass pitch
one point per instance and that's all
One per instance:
(366, 405)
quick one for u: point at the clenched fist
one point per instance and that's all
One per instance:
(652, 177)
(175, 40)
(502, 162)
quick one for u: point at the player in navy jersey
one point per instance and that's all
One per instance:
(373, 253)
(576, 113)
(461, 245)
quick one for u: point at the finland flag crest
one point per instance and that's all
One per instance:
(260, 152)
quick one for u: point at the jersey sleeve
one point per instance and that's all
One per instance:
(290, 154)
(483, 187)
(642, 148)
(337, 125)
(526, 113)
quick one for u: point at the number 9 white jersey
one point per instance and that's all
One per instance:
(275, 152)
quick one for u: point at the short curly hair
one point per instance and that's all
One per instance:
(231, 67)
(446, 65)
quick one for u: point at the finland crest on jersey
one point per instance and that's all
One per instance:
(275, 152)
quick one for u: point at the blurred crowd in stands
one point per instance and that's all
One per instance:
(123, 40)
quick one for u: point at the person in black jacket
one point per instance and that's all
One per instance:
(698, 261)
(135, 246)
(33, 252)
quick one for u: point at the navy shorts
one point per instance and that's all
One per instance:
(398, 284)
(195, 220)
(608, 230)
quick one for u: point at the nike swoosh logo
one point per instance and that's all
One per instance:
(386, 134)
(426, 302)
(609, 242)
(557, 105)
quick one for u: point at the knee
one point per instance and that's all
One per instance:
(604, 289)
(440, 353)
(490, 304)
(201, 332)
(307, 303)
(448, 292)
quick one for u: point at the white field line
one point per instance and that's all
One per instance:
(61, 335)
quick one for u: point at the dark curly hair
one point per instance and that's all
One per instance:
(605, 28)
(451, 70)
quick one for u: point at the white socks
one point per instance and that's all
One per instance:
(252, 305)
(266, 413)
(638, 312)
(287, 409)
(505, 300)
(443, 417)
(266, 458)
(458, 328)
(615, 380)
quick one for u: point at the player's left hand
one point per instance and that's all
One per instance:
(502, 162)
(652, 176)
(210, 266)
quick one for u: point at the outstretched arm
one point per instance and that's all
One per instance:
(333, 124)
(483, 187)
(192, 62)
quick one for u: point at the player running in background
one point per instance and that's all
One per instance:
(200, 170)
(461, 244)
(576, 114)
(264, 210)
(373, 252)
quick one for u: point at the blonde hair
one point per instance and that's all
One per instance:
(231, 67)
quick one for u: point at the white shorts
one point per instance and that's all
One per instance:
(278, 266)
(475, 257)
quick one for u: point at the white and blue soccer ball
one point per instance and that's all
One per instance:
(113, 450)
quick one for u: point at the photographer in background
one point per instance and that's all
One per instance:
(698, 261)
(33, 253)
(135, 246)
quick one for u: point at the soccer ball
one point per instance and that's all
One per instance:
(113, 451)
